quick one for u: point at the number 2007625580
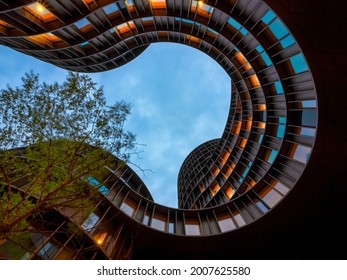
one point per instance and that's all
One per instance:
(205, 270)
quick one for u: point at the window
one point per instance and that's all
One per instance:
(270, 196)
(40, 11)
(302, 153)
(280, 131)
(192, 227)
(238, 218)
(48, 251)
(90, 222)
(268, 17)
(82, 23)
(264, 55)
(111, 8)
(158, 222)
(278, 29)
(254, 81)
(299, 64)
(214, 189)
(287, 41)
(307, 131)
(230, 192)
(158, 4)
(272, 156)
(225, 223)
(128, 207)
(278, 87)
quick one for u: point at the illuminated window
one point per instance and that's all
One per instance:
(130, 5)
(287, 41)
(201, 9)
(202, 187)
(230, 192)
(243, 61)
(51, 37)
(224, 157)
(83, 23)
(260, 124)
(39, 11)
(237, 26)
(158, 4)
(111, 8)
(299, 64)
(100, 237)
(264, 55)
(278, 29)
(192, 39)
(243, 142)
(215, 171)
(272, 155)
(278, 87)
(280, 131)
(260, 107)
(228, 169)
(4, 23)
(215, 189)
(254, 81)
(125, 27)
(268, 17)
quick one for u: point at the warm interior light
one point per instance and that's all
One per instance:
(40, 8)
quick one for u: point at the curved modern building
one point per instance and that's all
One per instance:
(273, 185)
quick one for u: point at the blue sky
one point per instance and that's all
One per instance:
(180, 99)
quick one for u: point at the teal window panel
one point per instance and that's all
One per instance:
(299, 64)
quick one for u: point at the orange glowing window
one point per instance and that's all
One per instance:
(261, 107)
(193, 39)
(125, 27)
(87, 2)
(229, 192)
(227, 171)
(4, 23)
(40, 40)
(260, 124)
(243, 143)
(51, 37)
(243, 61)
(224, 157)
(158, 4)
(39, 11)
(100, 238)
(201, 9)
(254, 80)
(237, 128)
(215, 189)
(215, 171)
(202, 187)
(248, 125)
(130, 5)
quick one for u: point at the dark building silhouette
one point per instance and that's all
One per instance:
(273, 185)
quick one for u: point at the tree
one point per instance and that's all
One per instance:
(67, 134)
